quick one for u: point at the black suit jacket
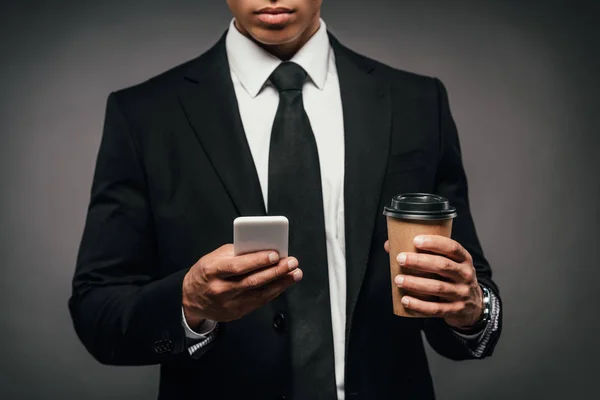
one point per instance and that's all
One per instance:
(173, 172)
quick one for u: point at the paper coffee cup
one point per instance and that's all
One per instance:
(409, 215)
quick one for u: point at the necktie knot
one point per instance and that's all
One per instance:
(288, 76)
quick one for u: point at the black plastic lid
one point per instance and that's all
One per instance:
(421, 206)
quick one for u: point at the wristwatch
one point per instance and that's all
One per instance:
(487, 313)
(487, 305)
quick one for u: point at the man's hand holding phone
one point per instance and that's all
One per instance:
(223, 287)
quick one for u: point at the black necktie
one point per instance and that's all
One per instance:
(295, 192)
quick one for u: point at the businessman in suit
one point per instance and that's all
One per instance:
(278, 118)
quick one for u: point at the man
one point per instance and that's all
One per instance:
(278, 118)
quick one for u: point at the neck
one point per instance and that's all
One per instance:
(285, 51)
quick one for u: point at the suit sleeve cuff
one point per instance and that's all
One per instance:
(476, 343)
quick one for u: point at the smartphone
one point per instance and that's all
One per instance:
(251, 234)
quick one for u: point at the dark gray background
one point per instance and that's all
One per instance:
(524, 88)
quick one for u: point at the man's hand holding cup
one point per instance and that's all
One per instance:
(458, 294)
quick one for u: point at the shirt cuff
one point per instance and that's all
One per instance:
(471, 336)
(204, 330)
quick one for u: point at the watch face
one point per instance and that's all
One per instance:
(486, 304)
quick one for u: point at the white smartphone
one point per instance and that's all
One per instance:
(251, 234)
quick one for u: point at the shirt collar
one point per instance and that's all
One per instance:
(253, 65)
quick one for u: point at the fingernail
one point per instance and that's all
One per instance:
(419, 239)
(401, 258)
(405, 301)
(292, 264)
(297, 275)
(399, 280)
(273, 257)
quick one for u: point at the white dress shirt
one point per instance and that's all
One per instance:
(251, 67)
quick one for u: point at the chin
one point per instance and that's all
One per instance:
(274, 37)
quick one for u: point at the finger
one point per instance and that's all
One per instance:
(271, 290)
(269, 274)
(432, 309)
(225, 250)
(386, 246)
(442, 245)
(243, 264)
(432, 263)
(433, 287)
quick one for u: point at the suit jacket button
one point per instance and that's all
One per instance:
(157, 347)
(279, 322)
(163, 346)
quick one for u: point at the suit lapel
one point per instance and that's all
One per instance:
(366, 106)
(209, 101)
